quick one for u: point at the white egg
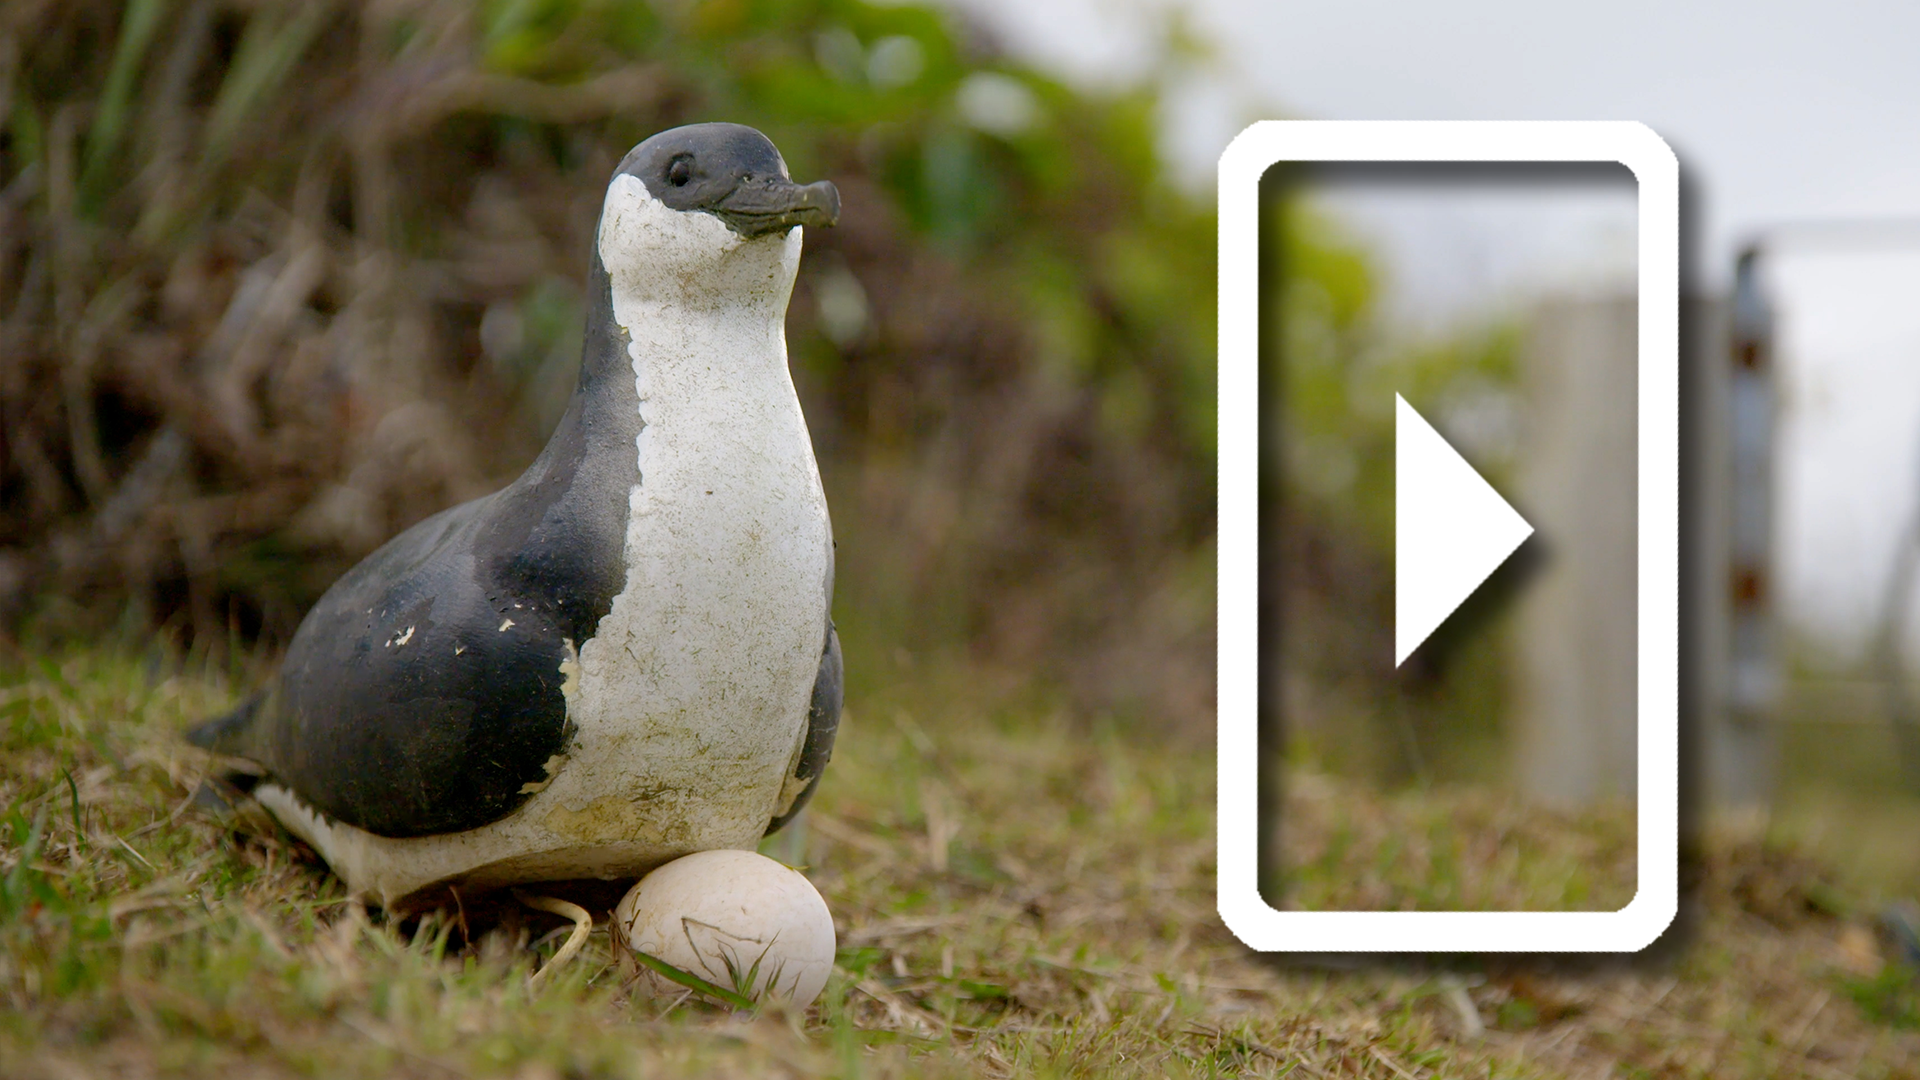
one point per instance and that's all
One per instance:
(736, 919)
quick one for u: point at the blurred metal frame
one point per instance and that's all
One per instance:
(1751, 686)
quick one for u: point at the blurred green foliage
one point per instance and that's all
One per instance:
(1892, 997)
(1341, 367)
(333, 251)
(1332, 363)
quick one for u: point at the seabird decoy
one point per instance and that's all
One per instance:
(626, 655)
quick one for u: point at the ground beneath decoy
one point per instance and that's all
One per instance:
(1018, 891)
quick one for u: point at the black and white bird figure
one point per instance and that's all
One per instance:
(625, 655)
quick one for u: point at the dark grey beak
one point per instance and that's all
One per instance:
(776, 204)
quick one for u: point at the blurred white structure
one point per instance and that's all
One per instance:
(1576, 708)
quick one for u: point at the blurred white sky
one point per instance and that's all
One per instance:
(1780, 111)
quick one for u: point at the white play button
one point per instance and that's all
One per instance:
(1450, 530)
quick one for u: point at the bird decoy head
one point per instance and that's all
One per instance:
(687, 198)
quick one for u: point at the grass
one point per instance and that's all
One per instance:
(1454, 848)
(1841, 788)
(1018, 892)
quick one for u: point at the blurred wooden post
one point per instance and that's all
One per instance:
(1576, 706)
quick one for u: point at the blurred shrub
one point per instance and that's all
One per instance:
(280, 277)
(1332, 365)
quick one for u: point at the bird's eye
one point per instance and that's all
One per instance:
(679, 172)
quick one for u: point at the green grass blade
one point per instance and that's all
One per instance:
(110, 119)
(73, 792)
(267, 53)
(693, 982)
(16, 887)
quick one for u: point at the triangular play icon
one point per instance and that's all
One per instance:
(1450, 530)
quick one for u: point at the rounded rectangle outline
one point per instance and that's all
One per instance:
(1245, 912)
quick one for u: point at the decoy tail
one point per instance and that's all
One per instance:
(227, 734)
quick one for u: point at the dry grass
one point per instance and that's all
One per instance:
(1018, 893)
(1449, 849)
